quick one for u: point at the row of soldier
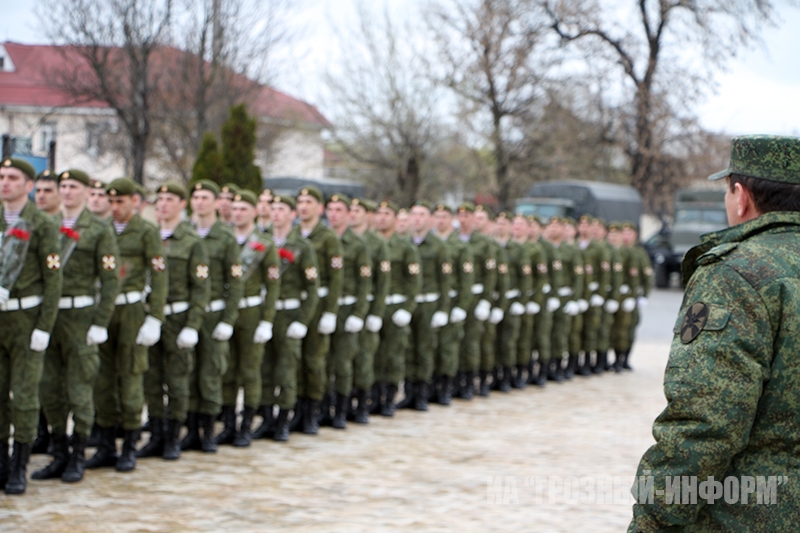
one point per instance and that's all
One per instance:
(312, 323)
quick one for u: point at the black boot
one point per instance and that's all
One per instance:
(484, 385)
(245, 434)
(388, 407)
(192, 439)
(618, 355)
(625, 360)
(496, 379)
(18, 473)
(282, 426)
(106, 454)
(154, 448)
(554, 370)
(42, 441)
(208, 444)
(5, 464)
(376, 394)
(94, 436)
(601, 363)
(127, 459)
(532, 374)
(229, 420)
(172, 441)
(362, 412)
(445, 392)
(77, 459)
(299, 411)
(324, 417)
(340, 418)
(519, 380)
(408, 401)
(585, 369)
(60, 458)
(505, 383)
(542, 373)
(421, 398)
(310, 417)
(572, 366)
(267, 427)
(469, 386)
(458, 385)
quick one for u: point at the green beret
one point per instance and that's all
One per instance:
(231, 188)
(586, 218)
(312, 191)
(368, 205)
(266, 191)
(534, 218)
(97, 184)
(504, 215)
(467, 207)
(339, 197)
(282, 199)
(122, 187)
(424, 203)
(245, 195)
(480, 208)
(173, 187)
(630, 225)
(520, 214)
(600, 221)
(77, 175)
(569, 220)
(390, 205)
(206, 185)
(46, 175)
(766, 157)
(615, 226)
(20, 164)
(444, 207)
(140, 190)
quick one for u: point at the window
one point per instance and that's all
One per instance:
(22, 145)
(47, 134)
(94, 132)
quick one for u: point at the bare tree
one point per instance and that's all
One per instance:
(659, 85)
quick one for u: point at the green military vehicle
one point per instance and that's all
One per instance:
(574, 198)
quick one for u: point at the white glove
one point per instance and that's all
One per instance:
(187, 338)
(327, 323)
(496, 316)
(401, 318)
(546, 288)
(596, 300)
(457, 315)
(565, 291)
(571, 308)
(439, 319)
(553, 304)
(3, 295)
(612, 306)
(583, 305)
(641, 301)
(533, 308)
(150, 332)
(374, 323)
(516, 309)
(624, 289)
(39, 340)
(593, 286)
(353, 324)
(296, 330)
(483, 310)
(263, 332)
(628, 304)
(96, 335)
(223, 332)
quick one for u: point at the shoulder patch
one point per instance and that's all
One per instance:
(158, 263)
(694, 322)
(53, 262)
(237, 271)
(447, 268)
(109, 262)
(717, 252)
(542, 268)
(526, 269)
(605, 266)
(490, 264)
(617, 267)
(579, 270)
(337, 262)
(311, 273)
(589, 269)
(201, 272)
(556, 265)
(467, 267)
(413, 268)
(502, 268)
(365, 271)
(273, 273)
(386, 266)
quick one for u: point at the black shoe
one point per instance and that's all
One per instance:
(127, 459)
(40, 445)
(245, 434)
(625, 358)
(172, 441)
(106, 454)
(505, 382)
(585, 369)
(18, 473)
(229, 420)
(340, 418)
(484, 385)
(421, 397)
(554, 370)
(154, 448)
(267, 427)
(601, 363)
(445, 391)
(324, 417)
(77, 460)
(469, 386)
(94, 437)
(296, 423)
(362, 411)
(208, 444)
(5, 464)
(378, 389)
(311, 417)
(192, 439)
(618, 355)
(408, 401)
(388, 407)
(60, 459)
(282, 426)
(542, 373)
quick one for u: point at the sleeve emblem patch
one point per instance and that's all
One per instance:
(386, 266)
(337, 262)
(273, 273)
(53, 262)
(365, 271)
(109, 262)
(158, 264)
(447, 268)
(694, 322)
(467, 267)
(201, 272)
(237, 271)
(311, 273)
(413, 269)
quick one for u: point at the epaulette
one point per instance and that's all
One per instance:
(717, 253)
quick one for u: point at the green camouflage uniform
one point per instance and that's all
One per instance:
(485, 273)
(364, 364)
(543, 322)
(520, 285)
(70, 364)
(597, 259)
(21, 367)
(497, 297)
(570, 290)
(646, 274)
(612, 293)
(451, 335)
(631, 281)
(536, 296)
(580, 289)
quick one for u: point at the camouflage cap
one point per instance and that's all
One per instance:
(424, 203)
(586, 218)
(630, 225)
(339, 197)
(229, 188)
(173, 187)
(767, 157)
(245, 195)
(206, 185)
(368, 205)
(615, 226)
(600, 222)
(389, 205)
(313, 192)
(534, 218)
(19, 164)
(466, 207)
(122, 187)
(284, 199)
(444, 207)
(75, 174)
(47, 175)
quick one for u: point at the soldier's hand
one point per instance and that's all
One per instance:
(596, 300)
(641, 301)
(96, 335)
(553, 304)
(439, 319)
(628, 304)
(296, 330)
(353, 324)
(187, 338)
(546, 288)
(532, 308)
(483, 310)
(401, 318)
(583, 305)
(263, 332)
(40, 340)
(571, 308)
(3, 295)
(150, 332)
(327, 323)
(457, 315)
(223, 332)
(612, 306)
(496, 316)
(374, 323)
(516, 309)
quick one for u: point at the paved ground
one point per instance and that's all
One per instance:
(500, 464)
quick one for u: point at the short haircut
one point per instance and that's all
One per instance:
(769, 196)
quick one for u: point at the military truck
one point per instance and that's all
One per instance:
(574, 198)
(697, 211)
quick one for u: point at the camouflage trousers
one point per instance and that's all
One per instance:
(70, 372)
(487, 346)
(390, 359)
(244, 363)
(592, 322)
(621, 336)
(344, 347)
(575, 343)
(450, 336)
(364, 363)
(421, 351)
(542, 327)
(507, 339)
(281, 361)
(211, 363)
(470, 353)
(525, 339)
(604, 333)
(311, 374)
(169, 372)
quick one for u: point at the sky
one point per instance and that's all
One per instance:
(759, 92)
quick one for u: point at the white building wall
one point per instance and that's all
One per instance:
(296, 152)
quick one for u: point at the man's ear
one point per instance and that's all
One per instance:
(745, 205)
